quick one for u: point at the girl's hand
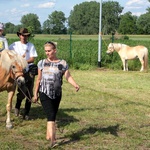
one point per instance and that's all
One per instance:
(77, 88)
(35, 99)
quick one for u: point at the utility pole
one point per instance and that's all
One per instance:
(100, 35)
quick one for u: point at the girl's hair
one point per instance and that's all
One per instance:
(48, 43)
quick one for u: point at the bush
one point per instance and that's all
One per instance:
(126, 37)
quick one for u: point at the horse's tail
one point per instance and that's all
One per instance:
(146, 60)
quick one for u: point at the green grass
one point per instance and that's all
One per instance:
(50, 37)
(110, 112)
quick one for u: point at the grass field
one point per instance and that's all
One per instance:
(110, 112)
(80, 37)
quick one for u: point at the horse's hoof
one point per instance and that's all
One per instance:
(9, 126)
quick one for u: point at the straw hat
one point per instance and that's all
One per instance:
(23, 31)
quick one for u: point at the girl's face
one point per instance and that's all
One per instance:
(50, 51)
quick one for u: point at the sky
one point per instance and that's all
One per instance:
(13, 10)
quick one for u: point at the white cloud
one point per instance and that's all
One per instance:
(138, 13)
(134, 2)
(14, 11)
(134, 7)
(142, 3)
(25, 5)
(137, 7)
(46, 5)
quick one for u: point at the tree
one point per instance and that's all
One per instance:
(111, 12)
(9, 27)
(31, 20)
(55, 23)
(47, 27)
(143, 23)
(128, 24)
(148, 9)
(84, 18)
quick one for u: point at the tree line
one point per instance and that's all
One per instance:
(84, 19)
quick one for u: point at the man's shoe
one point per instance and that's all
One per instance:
(16, 112)
(26, 117)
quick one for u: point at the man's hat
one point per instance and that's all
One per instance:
(23, 31)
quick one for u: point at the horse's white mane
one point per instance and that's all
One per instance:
(119, 44)
(123, 44)
(7, 57)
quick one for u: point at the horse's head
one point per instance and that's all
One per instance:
(110, 48)
(17, 73)
(14, 65)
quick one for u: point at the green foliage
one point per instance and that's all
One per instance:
(110, 16)
(143, 24)
(83, 54)
(128, 24)
(84, 18)
(56, 23)
(126, 37)
(31, 20)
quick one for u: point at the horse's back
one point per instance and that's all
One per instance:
(9, 56)
(141, 50)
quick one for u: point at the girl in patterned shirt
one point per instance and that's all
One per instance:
(48, 86)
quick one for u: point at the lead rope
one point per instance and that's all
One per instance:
(29, 98)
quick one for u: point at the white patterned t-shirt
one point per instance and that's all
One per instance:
(52, 73)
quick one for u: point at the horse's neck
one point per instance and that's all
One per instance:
(4, 76)
(117, 47)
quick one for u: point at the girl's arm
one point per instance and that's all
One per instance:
(70, 79)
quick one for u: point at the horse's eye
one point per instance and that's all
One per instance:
(13, 67)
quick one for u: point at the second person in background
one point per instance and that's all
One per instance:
(27, 50)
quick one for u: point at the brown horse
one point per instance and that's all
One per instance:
(12, 68)
(127, 53)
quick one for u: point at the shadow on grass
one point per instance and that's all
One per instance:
(63, 118)
(81, 134)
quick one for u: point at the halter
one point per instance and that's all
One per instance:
(21, 73)
(112, 46)
(29, 98)
(16, 72)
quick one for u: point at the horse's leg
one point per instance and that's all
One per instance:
(8, 108)
(142, 64)
(124, 64)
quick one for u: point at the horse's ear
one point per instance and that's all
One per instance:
(10, 56)
(111, 44)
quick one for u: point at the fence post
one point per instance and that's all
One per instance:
(70, 44)
(112, 38)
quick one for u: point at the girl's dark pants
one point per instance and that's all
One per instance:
(50, 106)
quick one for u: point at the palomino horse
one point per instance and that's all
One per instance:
(127, 53)
(12, 66)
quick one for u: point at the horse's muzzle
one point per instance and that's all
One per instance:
(20, 81)
(108, 52)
